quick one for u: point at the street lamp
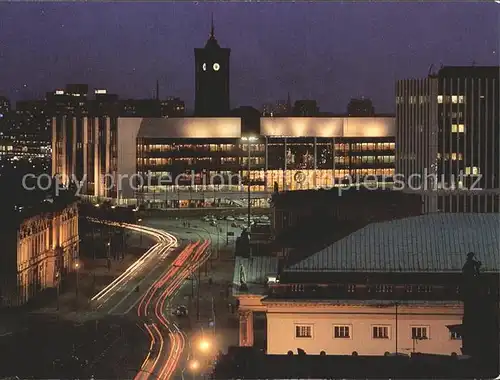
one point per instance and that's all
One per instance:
(204, 345)
(249, 139)
(194, 366)
(140, 233)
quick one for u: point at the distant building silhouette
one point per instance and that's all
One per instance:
(278, 108)
(250, 119)
(212, 78)
(4, 106)
(305, 107)
(360, 107)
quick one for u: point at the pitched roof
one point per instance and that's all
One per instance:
(427, 243)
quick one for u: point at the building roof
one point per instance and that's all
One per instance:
(427, 243)
(328, 126)
(190, 127)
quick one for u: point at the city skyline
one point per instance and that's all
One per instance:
(127, 57)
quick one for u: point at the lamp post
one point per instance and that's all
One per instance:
(140, 233)
(194, 366)
(77, 267)
(58, 285)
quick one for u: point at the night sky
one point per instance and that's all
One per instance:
(325, 51)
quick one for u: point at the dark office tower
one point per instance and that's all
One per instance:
(360, 107)
(448, 124)
(305, 108)
(212, 79)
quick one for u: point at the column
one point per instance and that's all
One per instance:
(266, 167)
(285, 167)
(246, 328)
(315, 163)
(333, 161)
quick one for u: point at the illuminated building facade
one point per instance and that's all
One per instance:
(180, 162)
(39, 252)
(447, 124)
(390, 287)
(289, 154)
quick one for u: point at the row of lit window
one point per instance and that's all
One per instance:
(306, 331)
(326, 174)
(364, 160)
(460, 99)
(453, 156)
(415, 99)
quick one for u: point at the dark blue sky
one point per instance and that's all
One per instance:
(325, 51)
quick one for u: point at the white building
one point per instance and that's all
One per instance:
(391, 287)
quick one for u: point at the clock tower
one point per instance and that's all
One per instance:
(211, 78)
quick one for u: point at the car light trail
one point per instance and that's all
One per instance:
(177, 276)
(165, 242)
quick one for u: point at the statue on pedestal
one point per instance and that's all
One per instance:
(479, 329)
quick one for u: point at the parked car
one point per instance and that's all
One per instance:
(229, 218)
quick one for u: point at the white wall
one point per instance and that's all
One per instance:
(281, 324)
(128, 128)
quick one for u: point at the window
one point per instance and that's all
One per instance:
(419, 332)
(454, 99)
(440, 99)
(380, 332)
(303, 331)
(383, 288)
(351, 288)
(341, 332)
(424, 289)
(455, 336)
(457, 128)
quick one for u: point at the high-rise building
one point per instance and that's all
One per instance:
(360, 107)
(212, 78)
(85, 149)
(448, 128)
(305, 107)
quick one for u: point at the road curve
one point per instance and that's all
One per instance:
(160, 363)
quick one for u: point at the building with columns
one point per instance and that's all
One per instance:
(390, 287)
(196, 161)
(40, 251)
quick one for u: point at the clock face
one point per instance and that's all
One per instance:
(216, 67)
(204, 67)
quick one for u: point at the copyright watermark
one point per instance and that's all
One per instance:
(114, 181)
(137, 182)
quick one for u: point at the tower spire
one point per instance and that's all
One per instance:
(212, 28)
(157, 90)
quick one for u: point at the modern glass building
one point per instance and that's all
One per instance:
(183, 169)
(202, 161)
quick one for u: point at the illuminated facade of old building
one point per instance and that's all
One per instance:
(40, 252)
(390, 287)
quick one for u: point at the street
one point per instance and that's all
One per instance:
(128, 330)
(161, 362)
